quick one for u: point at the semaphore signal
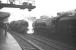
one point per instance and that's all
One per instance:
(25, 5)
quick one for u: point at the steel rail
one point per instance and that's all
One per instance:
(31, 43)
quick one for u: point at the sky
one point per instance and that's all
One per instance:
(43, 7)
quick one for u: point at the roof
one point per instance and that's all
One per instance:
(4, 15)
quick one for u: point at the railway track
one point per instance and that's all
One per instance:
(41, 44)
(52, 43)
(48, 44)
(35, 44)
(28, 42)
